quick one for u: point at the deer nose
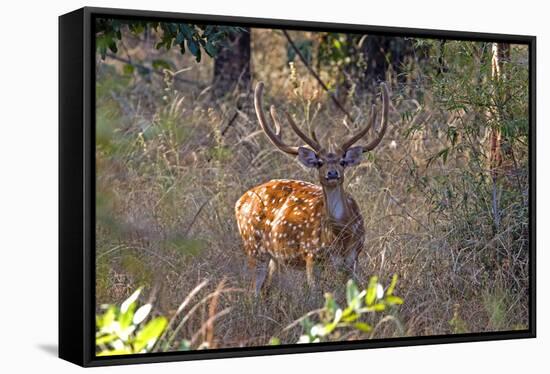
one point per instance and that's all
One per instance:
(333, 174)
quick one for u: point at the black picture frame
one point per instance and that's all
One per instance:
(77, 187)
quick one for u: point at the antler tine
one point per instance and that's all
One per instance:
(361, 133)
(312, 143)
(378, 139)
(385, 111)
(313, 134)
(274, 137)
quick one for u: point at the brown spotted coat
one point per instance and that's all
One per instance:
(286, 222)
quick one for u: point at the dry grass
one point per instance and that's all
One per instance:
(167, 182)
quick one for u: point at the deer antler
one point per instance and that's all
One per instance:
(311, 142)
(363, 132)
(275, 137)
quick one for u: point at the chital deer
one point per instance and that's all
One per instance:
(298, 223)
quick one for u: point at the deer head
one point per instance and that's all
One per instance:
(330, 163)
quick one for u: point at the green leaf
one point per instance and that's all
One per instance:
(327, 329)
(318, 329)
(337, 316)
(130, 300)
(187, 30)
(393, 283)
(371, 291)
(274, 341)
(149, 334)
(105, 339)
(114, 352)
(211, 49)
(113, 47)
(141, 314)
(136, 28)
(125, 319)
(362, 326)
(379, 307)
(185, 345)
(306, 324)
(180, 37)
(348, 311)
(351, 318)
(107, 318)
(394, 300)
(351, 291)
(330, 304)
(193, 46)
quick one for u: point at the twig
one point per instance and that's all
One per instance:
(180, 309)
(387, 319)
(114, 249)
(195, 218)
(299, 320)
(135, 248)
(209, 325)
(317, 77)
(151, 70)
(231, 120)
(194, 308)
(208, 322)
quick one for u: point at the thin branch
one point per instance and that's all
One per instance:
(317, 77)
(182, 306)
(151, 70)
(299, 320)
(230, 122)
(195, 217)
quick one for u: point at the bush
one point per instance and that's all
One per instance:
(120, 330)
(332, 321)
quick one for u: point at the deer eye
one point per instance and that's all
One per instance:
(320, 163)
(343, 162)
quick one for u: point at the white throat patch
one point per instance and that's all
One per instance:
(335, 203)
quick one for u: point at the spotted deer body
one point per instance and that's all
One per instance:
(299, 223)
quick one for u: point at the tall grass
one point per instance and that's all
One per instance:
(171, 163)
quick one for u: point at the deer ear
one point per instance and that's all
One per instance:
(307, 157)
(353, 156)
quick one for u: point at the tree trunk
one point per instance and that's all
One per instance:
(232, 65)
(380, 53)
(498, 145)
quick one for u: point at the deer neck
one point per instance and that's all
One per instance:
(336, 205)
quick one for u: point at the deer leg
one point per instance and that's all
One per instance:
(351, 261)
(309, 271)
(252, 271)
(272, 269)
(260, 271)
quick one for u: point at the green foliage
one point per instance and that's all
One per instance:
(335, 52)
(334, 49)
(121, 330)
(194, 38)
(333, 320)
(495, 302)
(457, 324)
(133, 265)
(304, 46)
(183, 245)
(469, 105)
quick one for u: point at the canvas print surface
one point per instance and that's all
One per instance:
(259, 186)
